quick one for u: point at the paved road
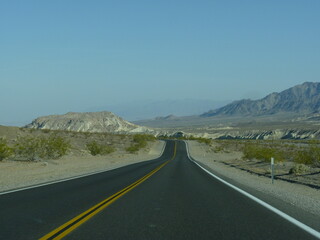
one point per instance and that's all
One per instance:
(176, 201)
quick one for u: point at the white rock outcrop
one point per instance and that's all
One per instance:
(87, 122)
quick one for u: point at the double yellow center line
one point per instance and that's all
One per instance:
(71, 225)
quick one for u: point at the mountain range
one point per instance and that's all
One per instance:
(296, 104)
(148, 109)
(300, 99)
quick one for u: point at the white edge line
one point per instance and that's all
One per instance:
(164, 146)
(71, 178)
(259, 201)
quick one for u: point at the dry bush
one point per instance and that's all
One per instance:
(5, 150)
(37, 148)
(139, 141)
(99, 149)
(265, 153)
(309, 155)
(299, 169)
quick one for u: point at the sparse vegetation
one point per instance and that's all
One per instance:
(299, 151)
(299, 169)
(24, 144)
(56, 147)
(37, 148)
(218, 149)
(139, 141)
(254, 151)
(309, 155)
(5, 150)
(207, 141)
(99, 149)
(29, 148)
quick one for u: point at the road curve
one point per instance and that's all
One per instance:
(169, 198)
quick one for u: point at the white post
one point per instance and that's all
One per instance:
(272, 170)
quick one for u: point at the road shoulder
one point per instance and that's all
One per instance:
(295, 199)
(15, 175)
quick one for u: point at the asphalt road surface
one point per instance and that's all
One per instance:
(166, 198)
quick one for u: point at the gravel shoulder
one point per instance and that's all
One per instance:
(300, 196)
(19, 174)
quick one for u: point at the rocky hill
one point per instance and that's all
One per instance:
(86, 122)
(300, 99)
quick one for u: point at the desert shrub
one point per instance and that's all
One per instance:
(308, 156)
(36, 148)
(29, 148)
(315, 152)
(133, 148)
(204, 140)
(191, 137)
(139, 141)
(264, 153)
(302, 157)
(122, 136)
(96, 149)
(299, 169)
(218, 149)
(55, 147)
(87, 134)
(5, 150)
(138, 138)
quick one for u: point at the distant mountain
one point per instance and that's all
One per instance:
(300, 99)
(86, 122)
(169, 117)
(149, 109)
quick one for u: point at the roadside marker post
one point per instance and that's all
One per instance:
(272, 170)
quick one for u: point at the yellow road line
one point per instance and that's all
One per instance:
(69, 226)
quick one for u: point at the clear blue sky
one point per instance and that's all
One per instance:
(59, 56)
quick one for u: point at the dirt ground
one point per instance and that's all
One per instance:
(17, 173)
(229, 157)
